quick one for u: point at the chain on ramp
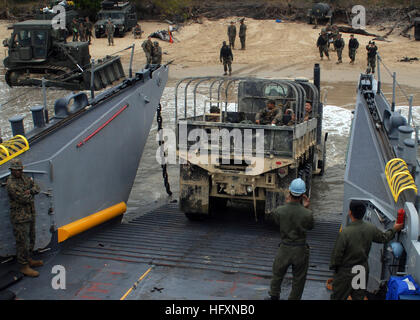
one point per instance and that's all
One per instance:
(161, 143)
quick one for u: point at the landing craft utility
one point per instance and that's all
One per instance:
(83, 158)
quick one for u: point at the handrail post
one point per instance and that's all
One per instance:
(410, 109)
(394, 85)
(44, 94)
(379, 73)
(92, 78)
(130, 70)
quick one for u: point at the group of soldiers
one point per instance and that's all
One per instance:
(351, 248)
(82, 30)
(331, 35)
(152, 50)
(226, 55)
(281, 115)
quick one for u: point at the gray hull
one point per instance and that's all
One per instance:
(377, 137)
(89, 163)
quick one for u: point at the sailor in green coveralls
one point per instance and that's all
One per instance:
(352, 249)
(294, 219)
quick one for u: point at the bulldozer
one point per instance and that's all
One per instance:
(37, 51)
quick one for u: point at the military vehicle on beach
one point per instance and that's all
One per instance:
(36, 50)
(224, 155)
(122, 14)
(320, 12)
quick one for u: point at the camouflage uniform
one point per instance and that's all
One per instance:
(322, 44)
(339, 46)
(75, 30)
(242, 35)
(232, 35)
(352, 248)
(156, 53)
(110, 29)
(267, 116)
(22, 214)
(137, 32)
(371, 57)
(82, 31)
(226, 57)
(353, 46)
(294, 220)
(147, 46)
(89, 28)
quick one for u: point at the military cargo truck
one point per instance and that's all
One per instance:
(224, 155)
(122, 14)
(36, 50)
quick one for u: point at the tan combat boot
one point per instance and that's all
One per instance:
(27, 271)
(36, 263)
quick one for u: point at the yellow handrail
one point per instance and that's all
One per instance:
(398, 177)
(12, 148)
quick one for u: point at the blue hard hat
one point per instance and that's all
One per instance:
(297, 187)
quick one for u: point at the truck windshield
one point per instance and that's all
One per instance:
(112, 15)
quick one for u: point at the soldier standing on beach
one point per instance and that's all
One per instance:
(156, 53)
(339, 47)
(109, 30)
(242, 33)
(232, 34)
(147, 46)
(89, 28)
(372, 50)
(75, 29)
(226, 57)
(353, 46)
(322, 44)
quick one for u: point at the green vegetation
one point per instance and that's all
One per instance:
(88, 5)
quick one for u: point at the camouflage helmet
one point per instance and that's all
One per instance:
(16, 164)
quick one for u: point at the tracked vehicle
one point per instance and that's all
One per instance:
(224, 155)
(36, 50)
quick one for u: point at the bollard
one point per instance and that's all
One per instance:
(38, 116)
(17, 125)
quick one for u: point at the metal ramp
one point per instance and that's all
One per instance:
(164, 237)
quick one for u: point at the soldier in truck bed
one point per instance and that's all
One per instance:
(270, 115)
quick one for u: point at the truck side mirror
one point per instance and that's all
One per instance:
(6, 42)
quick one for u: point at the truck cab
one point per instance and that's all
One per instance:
(122, 14)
